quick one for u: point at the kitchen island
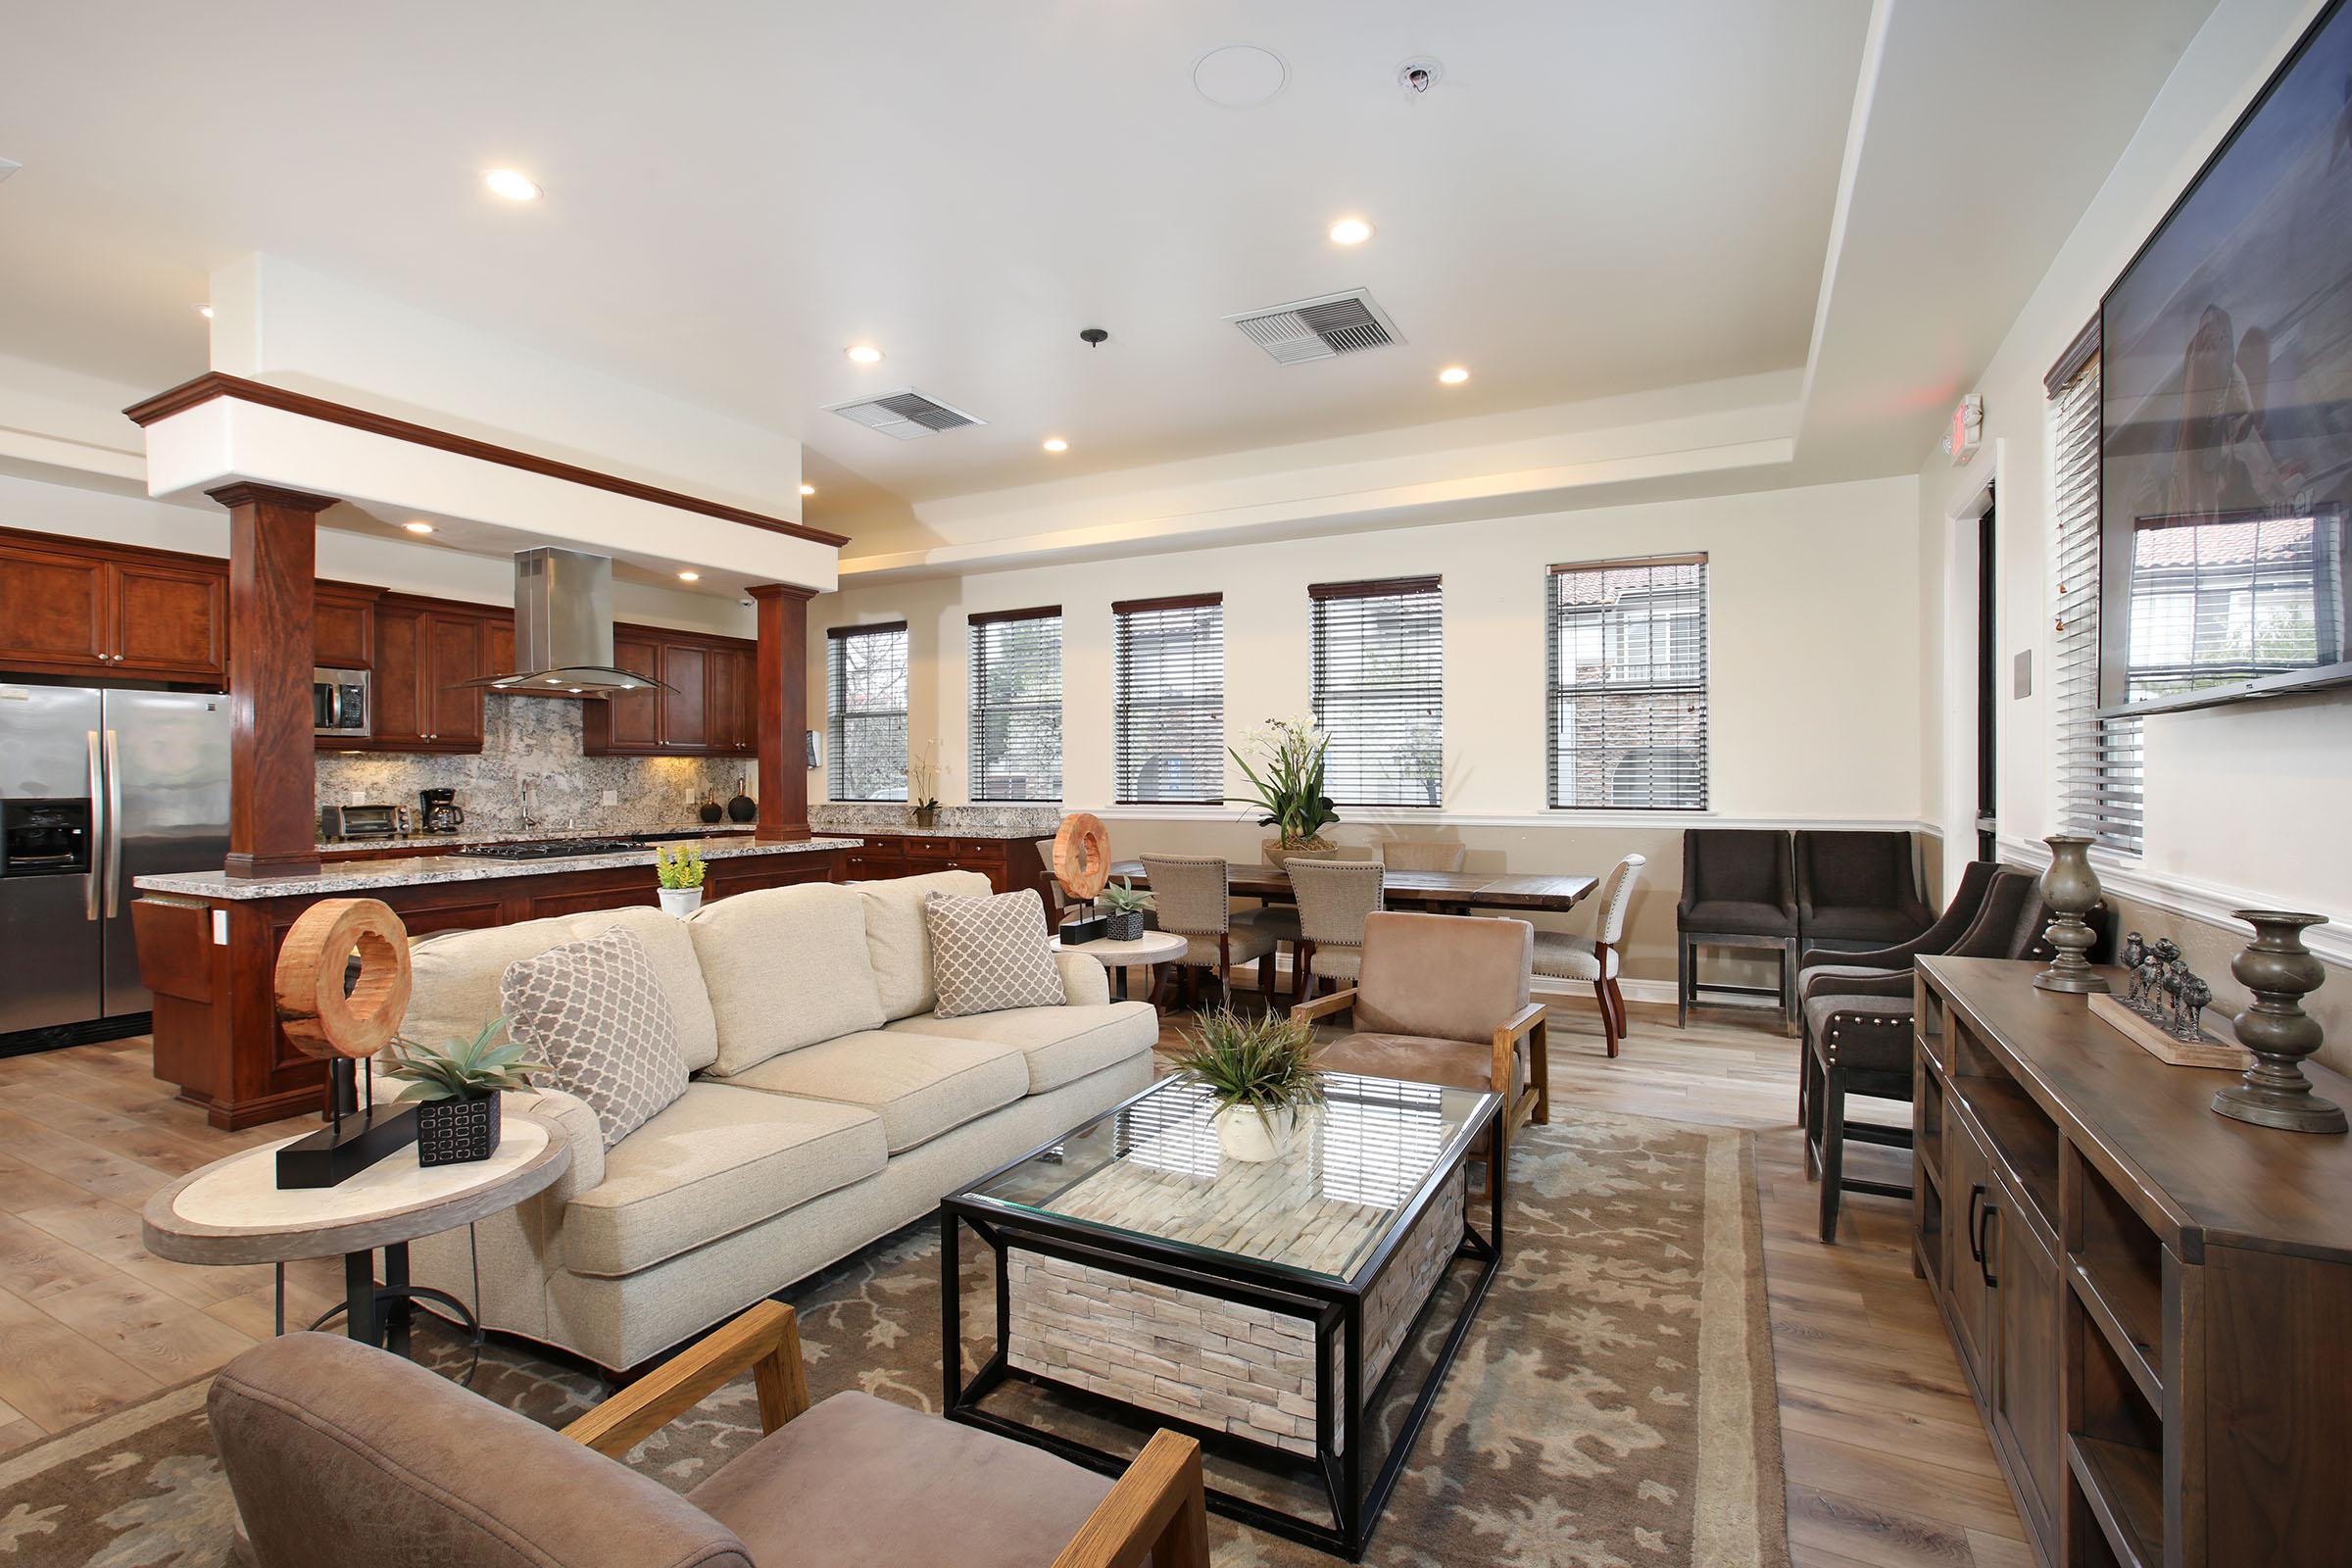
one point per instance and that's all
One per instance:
(208, 942)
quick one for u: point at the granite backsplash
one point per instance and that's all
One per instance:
(537, 740)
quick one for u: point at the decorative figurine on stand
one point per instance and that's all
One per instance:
(2163, 1010)
(327, 1014)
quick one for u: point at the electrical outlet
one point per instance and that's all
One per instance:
(611, 797)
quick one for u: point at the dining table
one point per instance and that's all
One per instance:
(1424, 891)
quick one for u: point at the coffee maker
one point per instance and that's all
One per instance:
(441, 812)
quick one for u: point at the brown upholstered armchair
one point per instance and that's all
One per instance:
(1444, 998)
(340, 1452)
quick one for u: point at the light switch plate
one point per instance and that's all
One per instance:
(220, 928)
(2024, 676)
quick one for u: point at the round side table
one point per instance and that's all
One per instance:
(233, 1212)
(1149, 949)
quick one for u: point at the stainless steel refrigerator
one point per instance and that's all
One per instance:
(97, 788)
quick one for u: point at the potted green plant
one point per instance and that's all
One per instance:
(680, 868)
(456, 1087)
(1287, 775)
(923, 771)
(1259, 1070)
(1125, 921)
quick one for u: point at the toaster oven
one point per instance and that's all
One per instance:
(361, 821)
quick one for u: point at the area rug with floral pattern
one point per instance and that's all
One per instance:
(1613, 1404)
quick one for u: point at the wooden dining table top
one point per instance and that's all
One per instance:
(1492, 889)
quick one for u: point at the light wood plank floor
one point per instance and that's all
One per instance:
(1888, 1465)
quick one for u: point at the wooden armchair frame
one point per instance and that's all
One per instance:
(1531, 1023)
(1156, 1512)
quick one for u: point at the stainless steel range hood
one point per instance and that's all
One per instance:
(564, 629)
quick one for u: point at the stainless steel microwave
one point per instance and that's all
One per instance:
(339, 703)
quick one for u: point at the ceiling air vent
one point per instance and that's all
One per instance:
(904, 414)
(1319, 328)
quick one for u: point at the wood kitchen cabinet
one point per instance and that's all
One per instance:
(707, 712)
(73, 609)
(343, 625)
(424, 649)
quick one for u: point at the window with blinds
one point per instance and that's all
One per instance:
(1017, 704)
(1627, 666)
(2099, 759)
(866, 707)
(1168, 701)
(1378, 680)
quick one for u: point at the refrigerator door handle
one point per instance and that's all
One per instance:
(90, 879)
(114, 826)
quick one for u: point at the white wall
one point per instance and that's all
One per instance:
(2240, 801)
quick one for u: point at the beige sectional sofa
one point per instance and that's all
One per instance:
(828, 1107)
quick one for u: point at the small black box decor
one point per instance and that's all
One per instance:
(457, 1131)
(1082, 928)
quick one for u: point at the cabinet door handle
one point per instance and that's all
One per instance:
(1976, 1247)
(1985, 1246)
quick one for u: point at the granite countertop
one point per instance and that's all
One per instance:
(892, 820)
(355, 876)
(908, 830)
(536, 835)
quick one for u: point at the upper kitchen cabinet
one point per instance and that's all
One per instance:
(704, 712)
(343, 625)
(69, 607)
(424, 651)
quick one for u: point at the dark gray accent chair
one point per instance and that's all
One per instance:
(1857, 891)
(1858, 1037)
(1738, 891)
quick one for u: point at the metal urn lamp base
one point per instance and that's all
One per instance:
(2071, 891)
(2281, 971)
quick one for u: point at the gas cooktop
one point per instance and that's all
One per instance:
(554, 848)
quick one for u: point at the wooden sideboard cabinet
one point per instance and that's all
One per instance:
(90, 611)
(1010, 865)
(2152, 1304)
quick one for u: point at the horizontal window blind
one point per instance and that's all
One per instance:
(1627, 665)
(1017, 704)
(2097, 760)
(865, 706)
(1168, 701)
(1377, 682)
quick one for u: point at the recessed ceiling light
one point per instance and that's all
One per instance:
(690, 576)
(1454, 375)
(808, 489)
(1351, 231)
(205, 311)
(1240, 75)
(513, 185)
(1054, 443)
(417, 527)
(863, 354)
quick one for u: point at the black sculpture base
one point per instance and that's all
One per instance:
(334, 1155)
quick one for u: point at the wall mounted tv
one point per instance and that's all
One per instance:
(2225, 411)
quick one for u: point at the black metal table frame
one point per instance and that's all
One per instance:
(1334, 1307)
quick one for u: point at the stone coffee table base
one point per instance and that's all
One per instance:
(1225, 1365)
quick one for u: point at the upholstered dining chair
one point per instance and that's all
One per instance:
(1738, 891)
(1056, 901)
(1422, 854)
(340, 1452)
(1857, 890)
(1335, 896)
(1444, 998)
(1564, 956)
(1194, 897)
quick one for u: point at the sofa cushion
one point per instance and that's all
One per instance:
(670, 947)
(715, 1161)
(919, 1085)
(453, 976)
(988, 954)
(859, 1480)
(1062, 1045)
(595, 1012)
(898, 940)
(786, 967)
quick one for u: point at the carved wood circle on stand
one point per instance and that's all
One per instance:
(312, 1008)
(1082, 855)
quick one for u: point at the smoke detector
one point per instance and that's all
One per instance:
(904, 414)
(1240, 76)
(1321, 328)
(1418, 75)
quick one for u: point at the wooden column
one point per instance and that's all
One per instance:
(783, 711)
(272, 773)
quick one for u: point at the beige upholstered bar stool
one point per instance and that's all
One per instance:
(1598, 958)
(1193, 895)
(1422, 854)
(1335, 899)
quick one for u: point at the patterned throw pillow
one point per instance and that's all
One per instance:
(595, 1012)
(988, 954)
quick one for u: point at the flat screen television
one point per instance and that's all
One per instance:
(2225, 411)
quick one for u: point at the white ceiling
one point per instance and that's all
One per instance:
(1599, 198)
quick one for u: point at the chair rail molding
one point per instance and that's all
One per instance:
(1369, 816)
(2210, 903)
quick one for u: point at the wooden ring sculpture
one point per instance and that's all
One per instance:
(313, 1007)
(1082, 855)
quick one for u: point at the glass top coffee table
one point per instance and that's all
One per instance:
(1260, 1306)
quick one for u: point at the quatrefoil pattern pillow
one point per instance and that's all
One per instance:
(595, 1012)
(988, 954)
